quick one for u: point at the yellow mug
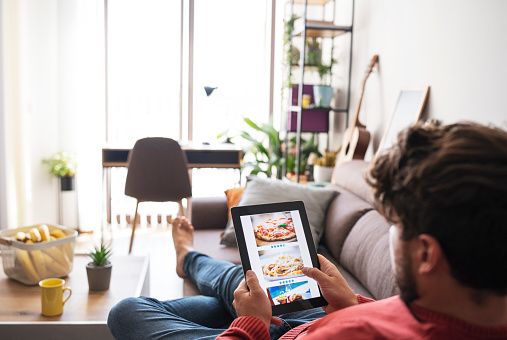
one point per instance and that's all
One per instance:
(52, 296)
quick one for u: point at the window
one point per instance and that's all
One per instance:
(143, 69)
(231, 53)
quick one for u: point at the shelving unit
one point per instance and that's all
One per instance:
(314, 29)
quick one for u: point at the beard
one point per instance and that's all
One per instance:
(405, 278)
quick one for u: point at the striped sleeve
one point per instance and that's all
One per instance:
(246, 327)
(363, 299)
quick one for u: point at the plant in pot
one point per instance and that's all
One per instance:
(261, 158)
(63, 165)
(308, 146)
(323, 93)
(323, 166)
(99, 269)
(313, 52)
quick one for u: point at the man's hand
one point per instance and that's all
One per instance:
(333, 286)
(253, 302)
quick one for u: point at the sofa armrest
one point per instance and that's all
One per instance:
(209, 212)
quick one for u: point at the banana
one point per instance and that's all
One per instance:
(39, 263)
(26, 264)
(54, 268)
(35, 235)
(44, 232)
(20, 236)
(59, 256)
(58, 233)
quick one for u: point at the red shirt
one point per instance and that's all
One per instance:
(384, 319)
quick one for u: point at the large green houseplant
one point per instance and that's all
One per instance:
(265, 150)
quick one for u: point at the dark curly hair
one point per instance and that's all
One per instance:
(450, 182)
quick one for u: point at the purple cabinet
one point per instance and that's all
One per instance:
(312, 119)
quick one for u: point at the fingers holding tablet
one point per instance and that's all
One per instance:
(251, 300)
(275, 241)
(332, 284)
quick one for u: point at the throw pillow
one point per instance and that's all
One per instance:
(233, 195)
(264, 190)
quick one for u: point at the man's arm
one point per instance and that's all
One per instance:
(254, 309)
(333, 286)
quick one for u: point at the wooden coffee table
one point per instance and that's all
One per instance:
(85, 313)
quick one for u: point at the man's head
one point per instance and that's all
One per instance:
(450, 183)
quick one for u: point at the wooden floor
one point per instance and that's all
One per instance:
(157, 244)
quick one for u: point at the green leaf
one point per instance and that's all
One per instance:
(100, 256)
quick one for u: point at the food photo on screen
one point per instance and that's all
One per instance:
(273, 228)
(287, 293)
(280, 263)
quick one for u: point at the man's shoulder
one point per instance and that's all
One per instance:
(379, 319)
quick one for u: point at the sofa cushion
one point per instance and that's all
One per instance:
(343, 212)
(353, 283)
(351, 176)
(263, 190)
(233, 196)
(365, 254)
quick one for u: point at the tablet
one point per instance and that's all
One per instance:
(275, 241)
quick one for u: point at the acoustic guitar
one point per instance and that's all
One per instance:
(356, 138)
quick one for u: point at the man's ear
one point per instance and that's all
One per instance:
(429, 254)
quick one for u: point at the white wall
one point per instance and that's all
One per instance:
(457, 47)
(3, 186)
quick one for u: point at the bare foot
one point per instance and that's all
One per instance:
(183, 238)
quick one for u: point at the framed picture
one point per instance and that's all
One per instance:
(408, 109)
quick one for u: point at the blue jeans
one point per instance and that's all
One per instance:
(196, 317)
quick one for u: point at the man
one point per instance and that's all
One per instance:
(445, 191)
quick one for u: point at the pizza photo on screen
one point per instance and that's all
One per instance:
(273, 228)
(281, 264)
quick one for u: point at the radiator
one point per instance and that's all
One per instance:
(123, 208)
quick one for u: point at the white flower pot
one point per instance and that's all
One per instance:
(322, 173)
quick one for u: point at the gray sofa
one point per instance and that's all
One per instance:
(355, 236)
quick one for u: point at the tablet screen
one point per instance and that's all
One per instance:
(276, 243)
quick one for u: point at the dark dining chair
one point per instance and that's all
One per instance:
(157, 172)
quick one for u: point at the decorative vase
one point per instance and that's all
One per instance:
(322, 95)
(67, 183)
(99, 277)
(322, 173)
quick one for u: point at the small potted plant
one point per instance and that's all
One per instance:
(99, 270)
(63, 165)
(323, 93)
(323, 166)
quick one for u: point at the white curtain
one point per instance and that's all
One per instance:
(54, 101)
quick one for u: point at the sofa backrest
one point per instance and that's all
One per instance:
(350, 176)
(343, 213)
(365, 253)
(356, 234)
(352, 202)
